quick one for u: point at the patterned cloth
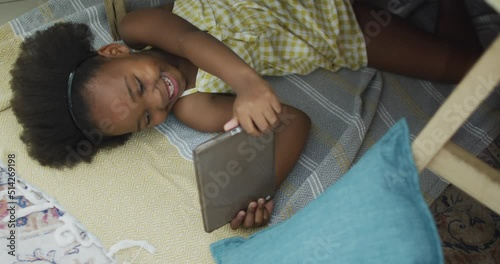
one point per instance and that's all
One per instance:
(42, 231)
(470, 232)
(278, 37)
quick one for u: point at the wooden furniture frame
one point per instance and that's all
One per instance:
(432, 148)
(115, 11)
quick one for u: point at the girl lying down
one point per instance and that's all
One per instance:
(206, 67)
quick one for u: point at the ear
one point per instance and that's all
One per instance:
(113, 50)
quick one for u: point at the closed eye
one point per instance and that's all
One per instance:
(148, 118)
(140, 88)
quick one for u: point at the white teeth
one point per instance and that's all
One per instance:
(170, 86)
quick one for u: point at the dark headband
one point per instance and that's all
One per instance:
(70, 84)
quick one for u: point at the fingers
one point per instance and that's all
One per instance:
(272, 118)
(231, 124)
(248, 125)
(257, 110)
(257, 214)
(277, 106)
(261, 122)
(238, 220)
(269, 208)
(249, 219)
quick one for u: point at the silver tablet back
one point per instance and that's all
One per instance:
(232, 170)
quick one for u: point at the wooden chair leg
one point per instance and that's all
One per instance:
(432, 148)
(460, 104)
(115, 11)
(469, 174)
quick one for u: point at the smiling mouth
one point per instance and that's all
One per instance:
(170, 83)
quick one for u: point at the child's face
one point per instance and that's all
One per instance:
(132, 92)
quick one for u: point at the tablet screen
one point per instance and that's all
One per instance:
(232, 170)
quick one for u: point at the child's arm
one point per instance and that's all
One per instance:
(290, 139)
(256, 107)
(208, 112)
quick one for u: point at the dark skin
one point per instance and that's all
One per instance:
(401, 48)
(256, 106)
(129, 95)
(132, 92)
(128, 108)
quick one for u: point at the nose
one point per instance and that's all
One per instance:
(153, 100)
(155, 105)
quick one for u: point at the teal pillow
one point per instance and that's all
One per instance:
(374, 214)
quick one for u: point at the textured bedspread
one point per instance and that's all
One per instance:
(350, 111)
(146, 190)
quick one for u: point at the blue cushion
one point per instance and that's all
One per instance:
(374, 214)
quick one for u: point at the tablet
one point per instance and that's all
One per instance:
(232, 170)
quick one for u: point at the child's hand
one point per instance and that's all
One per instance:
(257, 214)
(255, 108)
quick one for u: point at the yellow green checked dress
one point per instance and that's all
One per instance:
(278, 37)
